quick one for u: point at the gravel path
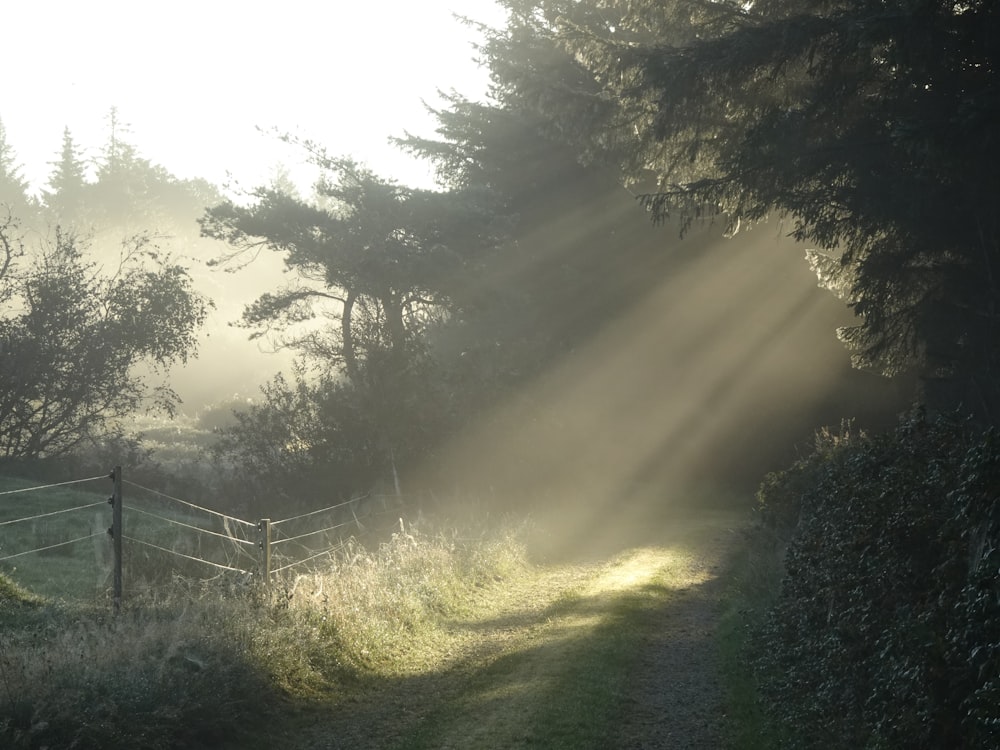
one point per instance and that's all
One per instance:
(485, 688)
(676, 699)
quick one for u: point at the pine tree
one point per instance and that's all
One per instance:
(15, 198)
(65, 197)
(870, 125)
(132, 193)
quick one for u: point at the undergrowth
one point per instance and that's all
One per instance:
(201, 665)
(753, 578)
(886, 632)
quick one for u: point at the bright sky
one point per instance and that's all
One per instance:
(194, 79)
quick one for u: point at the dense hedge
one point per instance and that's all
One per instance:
(886, 633)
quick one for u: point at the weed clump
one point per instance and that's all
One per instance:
(12, 594)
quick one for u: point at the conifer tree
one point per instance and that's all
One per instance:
(15, 197)
(870, 125)
(65, 195)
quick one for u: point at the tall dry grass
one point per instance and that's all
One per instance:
(201, 663)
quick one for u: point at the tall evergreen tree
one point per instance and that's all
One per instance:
(571, 263)
(132, 194)
(121, 192)
(870, 124)
(65, 195)
(15, 197)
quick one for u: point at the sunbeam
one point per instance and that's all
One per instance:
(725, 357)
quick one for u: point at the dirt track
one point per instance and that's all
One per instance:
(510, 669)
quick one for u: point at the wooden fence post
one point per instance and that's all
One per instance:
(116, 536)
(264, 527)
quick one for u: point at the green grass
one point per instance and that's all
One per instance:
(156, 677)
(563, 693)
(74, 570)
(200, 665)
(561, 675)
(206, 664)
(12, 594)
(583, 706)
(380, 612)
(82, 570)
(753, 576)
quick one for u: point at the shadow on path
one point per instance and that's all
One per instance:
(614, 655)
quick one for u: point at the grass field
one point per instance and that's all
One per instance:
(202, 665)
(56, 515)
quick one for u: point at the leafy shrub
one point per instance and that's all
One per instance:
(780, 496)
(886, 632)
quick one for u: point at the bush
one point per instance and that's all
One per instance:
(886, 632)
(780, 496)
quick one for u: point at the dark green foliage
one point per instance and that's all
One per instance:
(75, 336)
(302, 441)
(377, 267)
(780, 494)
(374, 263)
(886, 631)
(869, 124)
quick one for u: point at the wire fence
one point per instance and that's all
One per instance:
(163, 538)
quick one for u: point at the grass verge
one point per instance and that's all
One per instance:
(753, 576)
(202, 665)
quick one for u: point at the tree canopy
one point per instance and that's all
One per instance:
(377, 259)
(65, 194)
(73, 339)
(374, 266)
(14, 196)
(869, 124)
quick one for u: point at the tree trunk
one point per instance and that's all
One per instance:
(350, 357)
(394, 323)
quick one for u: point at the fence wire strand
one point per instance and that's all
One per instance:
(56, 484)
(321, 510)
(330, 551)
(185, 502)
(181, 554)
(53, 546)
(189, 526)
(53, 513)
(276, 542)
